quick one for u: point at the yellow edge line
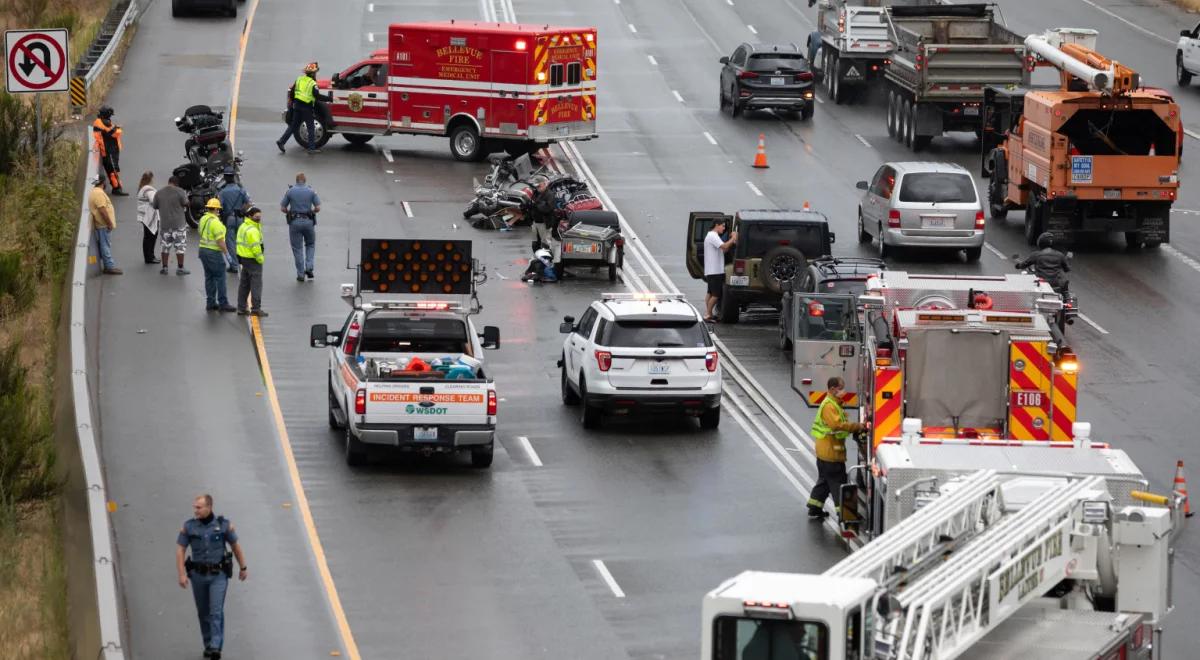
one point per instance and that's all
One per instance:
(310, 527)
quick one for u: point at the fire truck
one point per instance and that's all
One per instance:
(996, 563)
(486, 86)
(1092, 154)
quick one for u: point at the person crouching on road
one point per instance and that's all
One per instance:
(301, 205)
(234, 200)
(250, 256)
(715, 248)
(208, 568)
(540, 268)
(212, 256)
(829, 430)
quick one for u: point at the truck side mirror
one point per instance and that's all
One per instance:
(1185, 33)
(491, 336)
(337, 77)
(318, 336)
(725, 60)
(861, 185)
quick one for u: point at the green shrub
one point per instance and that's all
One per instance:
(16, 132)
(17, 285)
(26, 453)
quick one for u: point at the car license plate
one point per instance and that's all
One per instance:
(971, 111)
(1112, 193)
(564, 129)
(581, 248)
(659, 368)
(936, 223)
(739, 280)
(779, 81)
(425, 434)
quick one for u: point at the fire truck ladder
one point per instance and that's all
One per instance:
(946, 610)
(928, 534)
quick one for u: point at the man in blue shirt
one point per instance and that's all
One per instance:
(301, 204)
(234, 200)
(206, 536)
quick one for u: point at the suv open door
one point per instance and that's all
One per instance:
(826, 339)
(699, 224)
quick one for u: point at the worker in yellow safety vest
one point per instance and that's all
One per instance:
(302, 108)
(250, 256)
(829, 430)
(212, 257)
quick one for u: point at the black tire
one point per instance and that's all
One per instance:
(735, 109)
(589, 415)
(782, 263)
(300, 137)
(807, 112)
(973, 254)
(710, 419)
(721, 101)
(921, 141)
(891, 114)
(465, 143)
(482, 458)
(333, 420)
(612, 272)
(785, 344)
(837, 91)
(997, 186)
(728, 309)
(569, 397)
(910, 129)
(884, 250)
(357, 139)
(1182, 76)
(356, 454)
(864, 236)
(231, 10)
(176, 9)
(1035, 218)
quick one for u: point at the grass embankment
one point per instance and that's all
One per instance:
(38, 216)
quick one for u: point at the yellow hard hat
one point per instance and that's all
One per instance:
(213, 203)
(311, 67)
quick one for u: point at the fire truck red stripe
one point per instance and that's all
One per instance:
(1026, 420)
(1066, 388)
(1023, 381)
(1062, 422)
(1034, 357)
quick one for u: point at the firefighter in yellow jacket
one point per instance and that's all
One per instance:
(829, 431)
(107, 136)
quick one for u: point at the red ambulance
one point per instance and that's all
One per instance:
(487, 86)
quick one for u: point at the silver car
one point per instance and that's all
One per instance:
(918, 204)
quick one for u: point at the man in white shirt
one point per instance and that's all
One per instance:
(715, 248)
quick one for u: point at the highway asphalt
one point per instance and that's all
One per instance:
(432, 559)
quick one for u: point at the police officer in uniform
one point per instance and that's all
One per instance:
(208, 568)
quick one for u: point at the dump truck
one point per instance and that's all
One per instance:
(1093, 154)
(944, 57)
(855, 45)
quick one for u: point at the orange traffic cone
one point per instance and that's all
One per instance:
(806, 207)
(760, 158)
(1152, 151)
(1181, 488)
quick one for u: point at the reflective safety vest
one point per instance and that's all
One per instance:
(249, 241)
(303, 90)
(831, 445)
(212, 232)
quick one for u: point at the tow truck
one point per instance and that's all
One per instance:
(993, 564)
(406, 369)
(1096, 153)
(510, 86)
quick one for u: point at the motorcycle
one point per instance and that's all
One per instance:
(510, 191)
(208, 154)
(1070, 307)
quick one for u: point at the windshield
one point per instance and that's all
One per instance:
(773, 61)
(852, 286)
(655, 334)
(405, 335)
(735, 638)
(756, 239)
(831, 318)
(938, 187)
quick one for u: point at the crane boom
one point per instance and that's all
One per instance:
(1079, 61)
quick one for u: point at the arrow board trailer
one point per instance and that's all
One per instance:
(406, 368)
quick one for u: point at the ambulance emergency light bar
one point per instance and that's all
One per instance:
(415, 266)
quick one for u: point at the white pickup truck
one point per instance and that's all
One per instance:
(406, 373)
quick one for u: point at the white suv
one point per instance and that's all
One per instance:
(640, 353)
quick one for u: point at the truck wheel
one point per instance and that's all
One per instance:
(710, 419)
(1035, 218)
(176, 9)
(465, 144)
(612, 272)
(973, 254)
(729, 308)
(838, 90)
(357, 139)
(921, 141)
(864, 237)
(356, 455)
(589, 415)
(997, 185)
(333, 420)
(1181, 74)
(910, 121)
(482, 458)
(301, 135)
(231, 10)
(569, 397)
(891, 114)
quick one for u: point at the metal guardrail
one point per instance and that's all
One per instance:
(108, 609)
(122, 14)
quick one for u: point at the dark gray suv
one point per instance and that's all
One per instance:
(762, 76)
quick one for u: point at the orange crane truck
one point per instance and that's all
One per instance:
(1093, 154)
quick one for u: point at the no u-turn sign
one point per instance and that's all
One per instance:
(35, 60)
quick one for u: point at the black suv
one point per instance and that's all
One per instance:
(761, 76)
(773, 248)
(826, 275)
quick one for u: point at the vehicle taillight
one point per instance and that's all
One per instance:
(921, 58)
(739, 266)
(620, 242)
(604, 360)
(351, 338)
(492, 405)
(979, 220)
(883, 357)
(804, 76)
(520, 44)
(816, 309)
(710, 361)
(747, 74)
(360, 402)
(893, 219)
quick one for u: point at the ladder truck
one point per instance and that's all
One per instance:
(997, 565)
